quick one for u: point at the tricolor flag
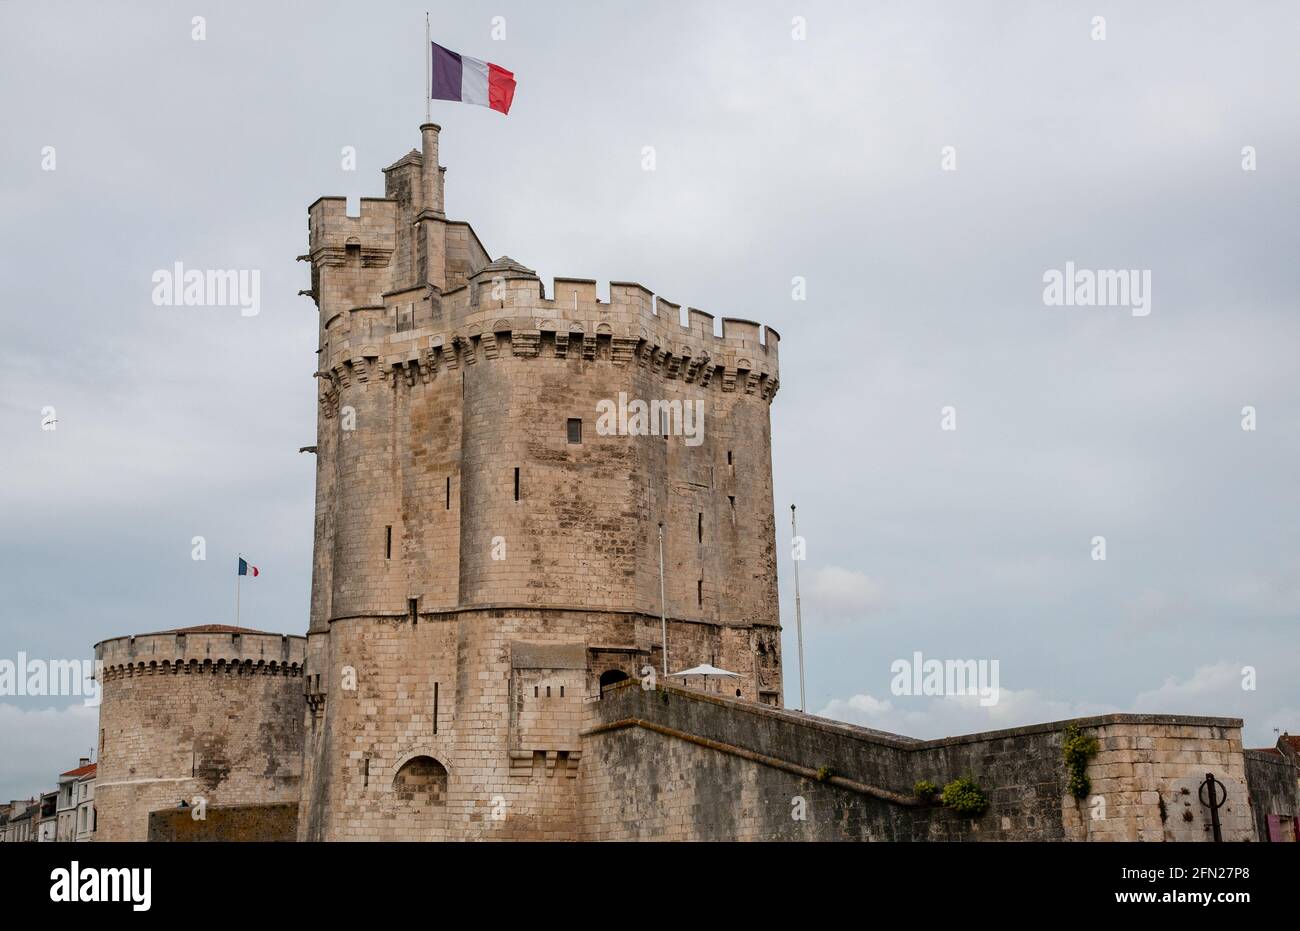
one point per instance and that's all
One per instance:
(246, 569)
(458, 77)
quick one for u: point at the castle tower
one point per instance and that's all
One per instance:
(487, 537)
(206, 715)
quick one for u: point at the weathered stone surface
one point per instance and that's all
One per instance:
(672, 764)
(1273, 793)
(233, 823)
(197, 713)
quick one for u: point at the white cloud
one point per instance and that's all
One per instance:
(842, 593)
(1268, 594)
(1152, 609)
(930, 718)
(1212, 690)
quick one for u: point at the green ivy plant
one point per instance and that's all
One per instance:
(925, 791)
(1077, 749)
(964, 797)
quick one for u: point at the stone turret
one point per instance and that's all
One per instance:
(487, 513)
(207, 715)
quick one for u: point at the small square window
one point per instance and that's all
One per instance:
(575, 430)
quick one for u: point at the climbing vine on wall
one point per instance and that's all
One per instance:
(964, 797)
(1077, 749)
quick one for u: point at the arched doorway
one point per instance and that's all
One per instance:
(611, 677)
(419, 805)
(421, 780)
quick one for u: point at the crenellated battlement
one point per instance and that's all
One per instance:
(502, 312)
(332, 231)
(632, 311)
(202, 650)
(405, 293)
(246, 667)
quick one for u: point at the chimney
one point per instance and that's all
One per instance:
(85, 761)
(431, 179)
(432, 219)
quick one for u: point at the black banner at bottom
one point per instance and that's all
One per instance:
(136, 882)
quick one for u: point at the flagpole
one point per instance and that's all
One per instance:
(428, 70)
(663, 611)
(238, 579)
(798, 613)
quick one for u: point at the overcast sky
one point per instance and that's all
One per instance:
(775, 158)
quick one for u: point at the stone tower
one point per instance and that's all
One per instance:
(210, 712)
(487, 537)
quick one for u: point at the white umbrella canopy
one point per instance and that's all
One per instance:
(706, 670)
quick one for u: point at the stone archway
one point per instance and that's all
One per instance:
(611, 677)
(420, 788)
(421, 779)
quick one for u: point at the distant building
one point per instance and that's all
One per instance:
(87, 817)
(1288, 746)
(12, 819)
(21, 827)
(1274, 777)
(48, 818)
(73, 809)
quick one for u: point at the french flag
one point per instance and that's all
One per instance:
(245, 568)
(469, 80)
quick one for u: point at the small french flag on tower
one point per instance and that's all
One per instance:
(246, 569)
(453, 76)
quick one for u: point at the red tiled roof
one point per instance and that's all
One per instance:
(207, 629)
(87, 770)
(1292, 741)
